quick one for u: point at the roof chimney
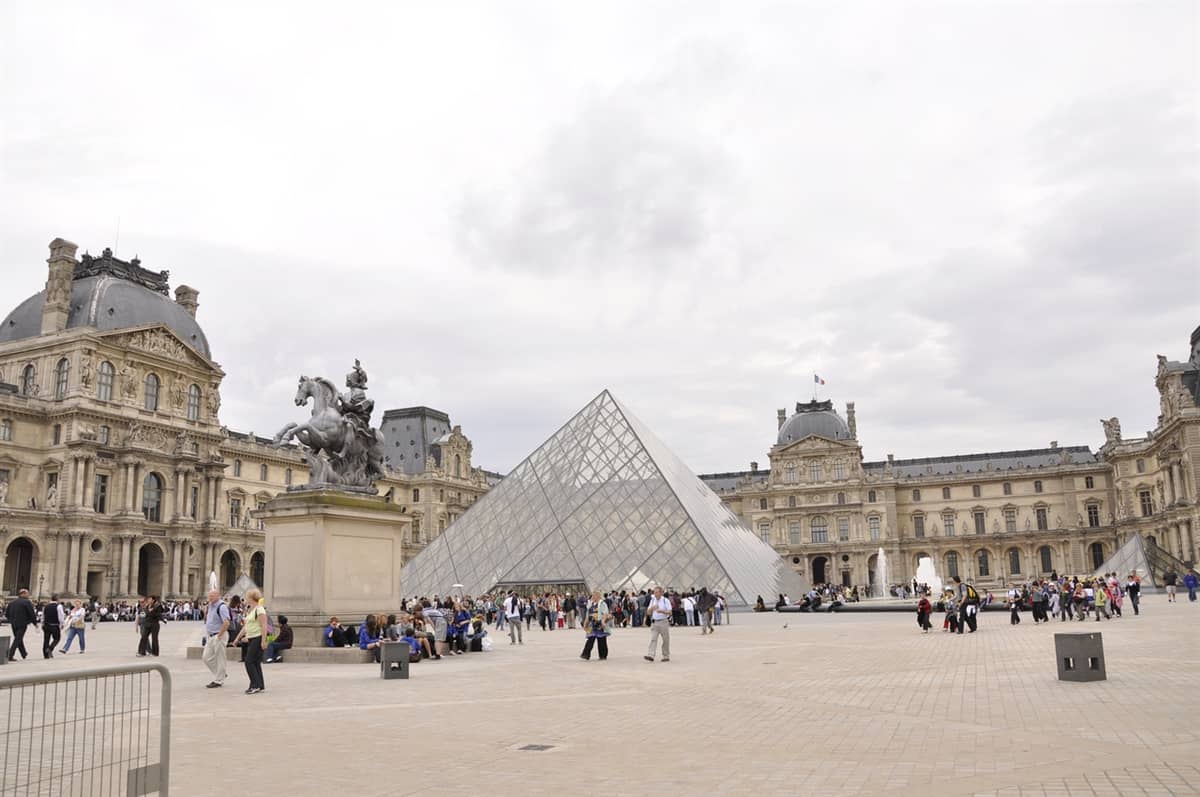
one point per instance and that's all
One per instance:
(781, 416)
(850, 420)
(187, 298)
(57, 307)
(754, 467)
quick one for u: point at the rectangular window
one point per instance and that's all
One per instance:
(416, 494)
(916, 495)
(839, 470)
(873, 526)
(843, 529)
(841, 499)
(764, 531)
(1089, 482)
(945, 493)
(948, 525)
(103, 434)
(984, 562)
(814, 471)
(980, 523)
(100, 493)
(919, 525)
(1008, 488)
(762, 503)
(235, 512)
(820, 534)
(952, 564)
(57, 433)
(976, 490)
(1037, 486)
(260, 523)
(5, 430)
(1010, 520)
(1147, 503)
(870, 496)
(789, 474)
(1042, 523)
(193, 502)
(1141, 466)
(263, 473)
(287, 476)
(1093, 512)
(794, 532)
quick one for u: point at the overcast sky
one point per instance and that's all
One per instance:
(977, 221)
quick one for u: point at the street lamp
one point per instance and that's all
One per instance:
(41, 583)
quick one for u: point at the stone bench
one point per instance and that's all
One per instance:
(301, 655)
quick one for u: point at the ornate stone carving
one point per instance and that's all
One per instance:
(1112, 429)
(129, 380)
(178, 395)
(85, 371)
(52, 497)
(343, 450)
(3, 492)
(143, 436)
(157, 341)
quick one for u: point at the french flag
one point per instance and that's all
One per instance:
(818, 380)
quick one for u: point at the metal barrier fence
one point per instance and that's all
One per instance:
(86, 732)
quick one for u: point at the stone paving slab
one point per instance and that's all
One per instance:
(841, 704)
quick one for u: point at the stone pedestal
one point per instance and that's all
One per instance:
(331, 553)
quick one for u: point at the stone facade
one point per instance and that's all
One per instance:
(993, 517)
(116, 475)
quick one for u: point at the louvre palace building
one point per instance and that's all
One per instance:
(994, 517)
(118, 479)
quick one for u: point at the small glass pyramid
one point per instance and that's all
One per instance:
(1144, 557)
(602, 504)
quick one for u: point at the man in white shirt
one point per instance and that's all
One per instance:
(659, 610)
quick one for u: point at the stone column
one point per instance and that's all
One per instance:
(1170, 485)
(185, 500)
(173, 568)
(57, 559)
(218, 504)
(1181, 487)
(178, 502)
(138, 475)
(205, 490)
(89, 481)
(72, 558)
(81, 572)
(135, 567)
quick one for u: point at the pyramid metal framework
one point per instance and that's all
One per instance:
(603, 503)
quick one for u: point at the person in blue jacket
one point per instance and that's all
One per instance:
(1191, 581)
(370, 637)
(456, 631)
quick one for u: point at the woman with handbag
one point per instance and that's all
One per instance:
(254, 633)
(75, 625)
(595, 625)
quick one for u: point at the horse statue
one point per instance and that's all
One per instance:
(343, 449)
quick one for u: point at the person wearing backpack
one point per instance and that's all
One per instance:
(216, 635)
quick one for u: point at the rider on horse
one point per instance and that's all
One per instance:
(356, 407)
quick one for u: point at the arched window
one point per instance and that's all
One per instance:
(151, 392)
(952, 564)
(1014, 561)
(62, 377)
(28, 380)
(193, 410)
(152, 498)
(1047, 558)
(237, 467)
(1097, 554)
(820, 529)
(104, 382)
(262, 473)
(984, 563)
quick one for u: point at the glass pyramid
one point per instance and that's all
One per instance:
(602, 504)
(1144, 557)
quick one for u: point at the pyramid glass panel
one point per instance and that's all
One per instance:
(605, 503)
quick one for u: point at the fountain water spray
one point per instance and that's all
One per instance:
(927, 574)
(880, 588)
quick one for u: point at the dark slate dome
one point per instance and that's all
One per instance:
(815, 417)
(109, 294)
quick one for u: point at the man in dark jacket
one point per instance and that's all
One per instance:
(53, 617)
(20, 615)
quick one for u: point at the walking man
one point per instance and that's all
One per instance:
(1170, 579)
(660, 616)
(20, 614)
(53, 618)
(512, 611)
(216, 632)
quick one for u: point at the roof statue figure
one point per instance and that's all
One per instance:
(344, 452)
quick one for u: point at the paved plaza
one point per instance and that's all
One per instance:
(845, 704)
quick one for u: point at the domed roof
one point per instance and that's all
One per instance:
(816, 417)
(109, 299)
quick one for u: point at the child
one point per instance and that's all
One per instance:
(951, 622)
(1101, 602)
(924, 607)
(1014, 604)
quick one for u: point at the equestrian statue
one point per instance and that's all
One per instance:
(343, 450)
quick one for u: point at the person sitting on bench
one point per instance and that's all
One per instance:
(370, 637)
(282, 642)
(336, 636)
(414, 645)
